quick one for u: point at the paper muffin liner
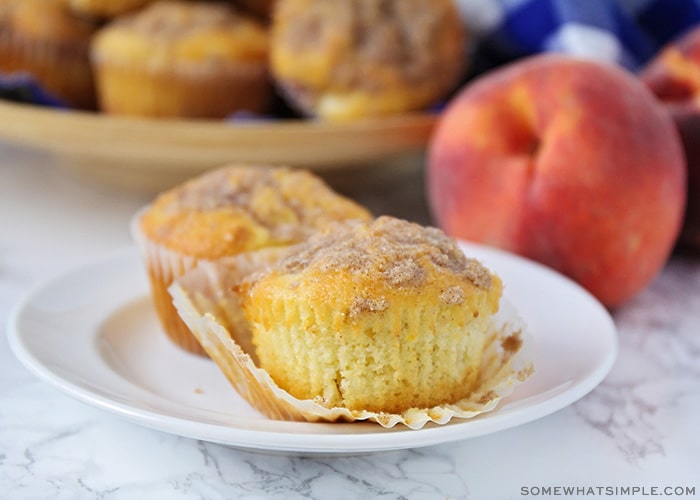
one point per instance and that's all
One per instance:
(206, 304)
(164, 265)
(60, 70)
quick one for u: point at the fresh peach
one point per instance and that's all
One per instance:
(674, 76)
(569, 162)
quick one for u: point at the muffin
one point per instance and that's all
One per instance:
(45, 40)
(342, 60)
(226, 212)
(381, 316)
(385, 321)
(180, 59)
(105, 8)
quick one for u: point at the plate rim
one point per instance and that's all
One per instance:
(377, 440)
(187, 145)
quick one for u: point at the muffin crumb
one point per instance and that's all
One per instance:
(512, 344)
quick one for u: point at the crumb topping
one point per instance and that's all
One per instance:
(401, 252)
(175, 19)
(364, 304)
(407, 273)
(218, 189)
(290, 204)
(453, 295)
(401, 33)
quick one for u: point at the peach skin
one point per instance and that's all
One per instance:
(674, 77)
(569, 162)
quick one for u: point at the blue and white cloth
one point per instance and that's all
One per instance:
(626, 32)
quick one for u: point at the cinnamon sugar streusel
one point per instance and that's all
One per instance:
(398, 252)
(243, 208)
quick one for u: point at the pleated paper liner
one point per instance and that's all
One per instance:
(164, 265)
(208, 307)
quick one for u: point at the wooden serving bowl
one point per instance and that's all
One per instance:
(152, 154)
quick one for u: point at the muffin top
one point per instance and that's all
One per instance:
(363, 265)
(371, 45)
(242, 208)
(47, 21)
(185, 32)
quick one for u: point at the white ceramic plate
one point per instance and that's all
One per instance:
(93, 334)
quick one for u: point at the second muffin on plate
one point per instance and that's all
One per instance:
(226, 212)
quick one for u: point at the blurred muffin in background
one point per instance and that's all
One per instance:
(180, 59)
(342, 60)
(105, 8)
(44, 39)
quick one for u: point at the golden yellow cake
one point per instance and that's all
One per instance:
(180, 59)
(227, 212)
(45, 40)
(342, 60)
(105, 8)
(382, 316)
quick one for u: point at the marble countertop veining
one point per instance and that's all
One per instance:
(639, 428)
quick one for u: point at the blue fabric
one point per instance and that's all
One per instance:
(627, 32)
(21, 87)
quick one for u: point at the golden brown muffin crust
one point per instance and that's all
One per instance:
(176, 19)
(46, 21)
(398, 252)
(172, 33)
(335, 47)
(241, 208)
(402, 33)
(364, 267)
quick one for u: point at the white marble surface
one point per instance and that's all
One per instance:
(639, 428)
